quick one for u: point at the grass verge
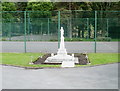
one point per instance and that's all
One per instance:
(23, 59)
(102, 58)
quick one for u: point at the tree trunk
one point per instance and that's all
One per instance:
(89, 33)
(78, 33)
(82, 33)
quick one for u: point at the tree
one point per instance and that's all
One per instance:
(8, 6)
(103, 8)
(40, 12)
(42, 7)
(21, 6)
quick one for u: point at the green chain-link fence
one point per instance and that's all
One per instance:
(44, 26)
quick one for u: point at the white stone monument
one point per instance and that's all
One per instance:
(62, 57)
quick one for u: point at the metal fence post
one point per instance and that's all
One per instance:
(58, 29)
(25, 31)
(28, 31)
(41, 28)
(10, 30)
(107, 28)
(88, 28)
(95, 30)
(48, 26)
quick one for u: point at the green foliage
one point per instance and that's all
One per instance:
(75, 22)
(4, 39)
(7, 15)
(40, 6)
(73, 39)
(8, 6)
(103, 39)
(0, 6)
(42, 10)
(114, 32)
(21, 6)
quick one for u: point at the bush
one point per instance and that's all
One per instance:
(53, 40)
(104, 39)
(4, 39)
(73, 39)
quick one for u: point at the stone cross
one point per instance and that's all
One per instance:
(62, 32)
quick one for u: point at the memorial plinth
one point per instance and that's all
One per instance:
(62, 57)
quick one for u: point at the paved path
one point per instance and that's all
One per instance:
(98, 77)
(52, 47)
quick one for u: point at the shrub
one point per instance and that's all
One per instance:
(73, 39)
(104, 39)
(53, 40)
(4, 39)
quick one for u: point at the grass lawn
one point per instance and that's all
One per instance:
(23, 59)
(102, 58)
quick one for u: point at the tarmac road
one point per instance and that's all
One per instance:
(98, 77)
